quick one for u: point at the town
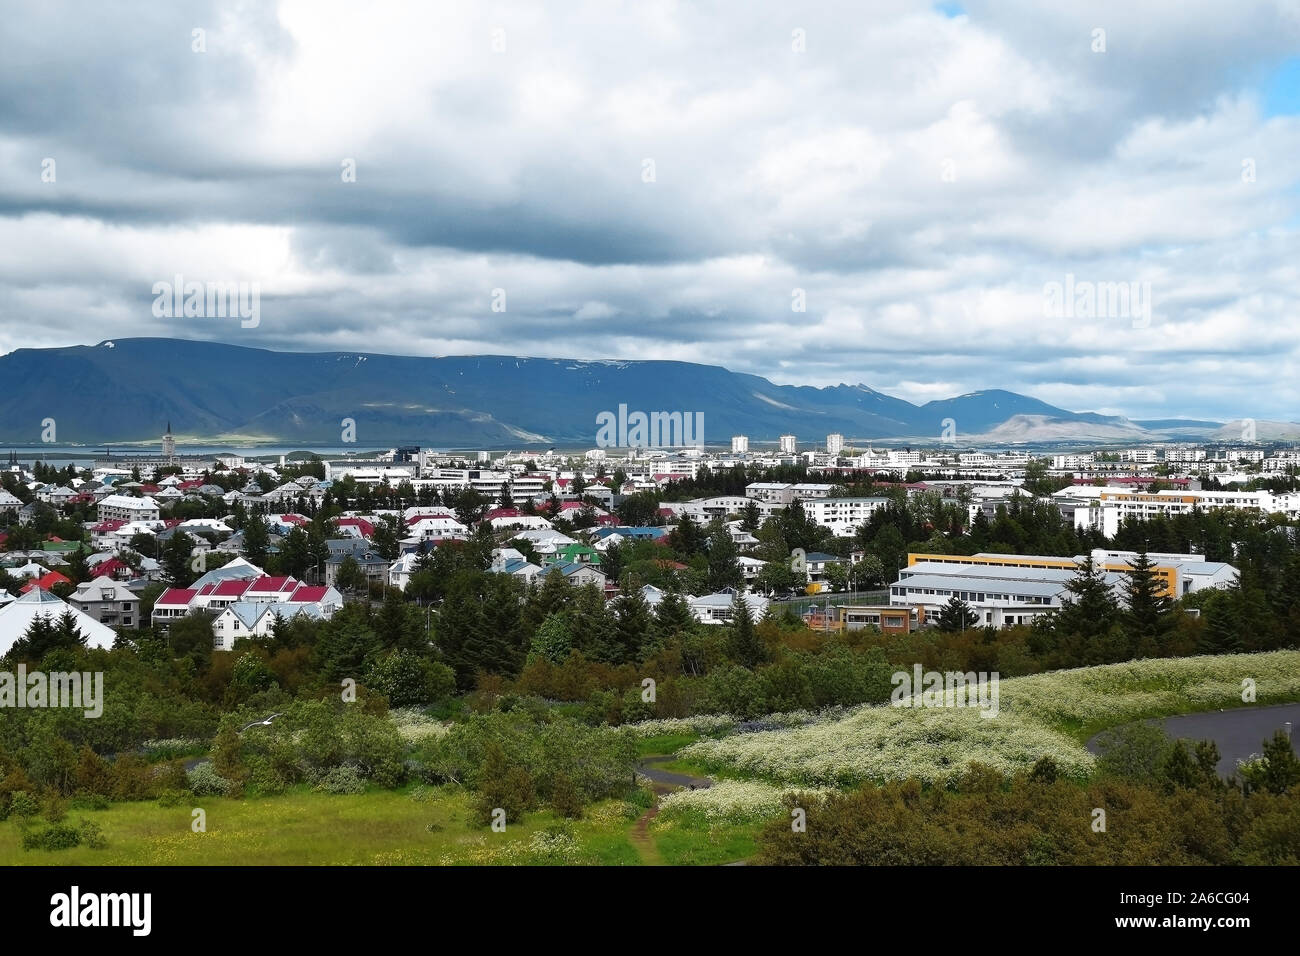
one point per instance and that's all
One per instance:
(180, 540)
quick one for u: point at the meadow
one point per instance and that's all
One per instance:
(1041, 715)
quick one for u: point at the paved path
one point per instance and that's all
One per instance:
(666, 779)
(1238, 732)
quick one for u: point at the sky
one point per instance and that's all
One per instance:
(895, 194)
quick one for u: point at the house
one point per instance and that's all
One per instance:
(579, 574)
(17, 616)
(107, 601)
(374, 566)
(400, 571)
(128, 509)
(817, 562)
(574, 554)
(46, 582)
(247, 619)
(519, 568)
(171, 604)
(716, 608)
(8, 503)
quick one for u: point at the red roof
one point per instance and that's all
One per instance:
(109, 568)
(293, 519)
(361, 524)
(309, 593)
(192, 483)
(269, 585)
(503, 513)
(149, 489)
(230, 588)
(414, 519)
(176, 596)
(45, 582)
(171, 522)
(104, 527)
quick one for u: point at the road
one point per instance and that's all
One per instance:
(1238, 733)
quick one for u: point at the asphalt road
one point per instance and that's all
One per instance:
(1238, 733)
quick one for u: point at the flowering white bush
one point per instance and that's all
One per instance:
(413, 725)
(883, 742)
(699, 724)
(722, 723)
(729, 800)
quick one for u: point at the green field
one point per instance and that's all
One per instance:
(305, 827)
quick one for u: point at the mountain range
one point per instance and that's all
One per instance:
(128, 390)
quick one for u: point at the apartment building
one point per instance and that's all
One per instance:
(1108, 507)
(108, 602)
(125, 508)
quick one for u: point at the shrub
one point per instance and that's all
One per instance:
(23, 804)
(342, 780)
(565, 798)
(204, 781)
(56, 836)
(92, 835)
(172, 798)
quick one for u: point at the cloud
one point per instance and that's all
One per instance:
(917, 176)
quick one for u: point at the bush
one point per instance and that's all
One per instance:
(172, 798)
(204, 781)
(23, 804)
(565, 798)
(92, 835)
(57, 836)
(342, 780)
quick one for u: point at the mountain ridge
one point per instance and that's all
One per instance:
(121, 390)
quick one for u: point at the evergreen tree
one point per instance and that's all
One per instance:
(1149, 611)
(724, 568)
(257, 540)
(1090, 609)
(632, 623)
(177, 558)
(745, 646)
(673, 616)
(957, 615)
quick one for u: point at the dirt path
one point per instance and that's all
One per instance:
(661, 782)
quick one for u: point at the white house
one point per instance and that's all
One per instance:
(17, 616)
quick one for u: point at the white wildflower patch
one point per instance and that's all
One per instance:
(888, 743)
(731, 800)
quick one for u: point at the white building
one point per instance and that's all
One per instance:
(786, 445)
(124, 508)
(834, 444)
(739, 445)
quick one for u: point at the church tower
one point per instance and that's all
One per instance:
(169, 444)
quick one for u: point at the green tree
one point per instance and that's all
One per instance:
(957, 615)
(746, 647)
(1148, 613)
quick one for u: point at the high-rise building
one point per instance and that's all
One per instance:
(787, 445)
(169, 443)
(834, 443)
(739, 444)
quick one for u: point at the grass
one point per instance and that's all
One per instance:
(664, 744)
(304, 827)
(691, 840)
